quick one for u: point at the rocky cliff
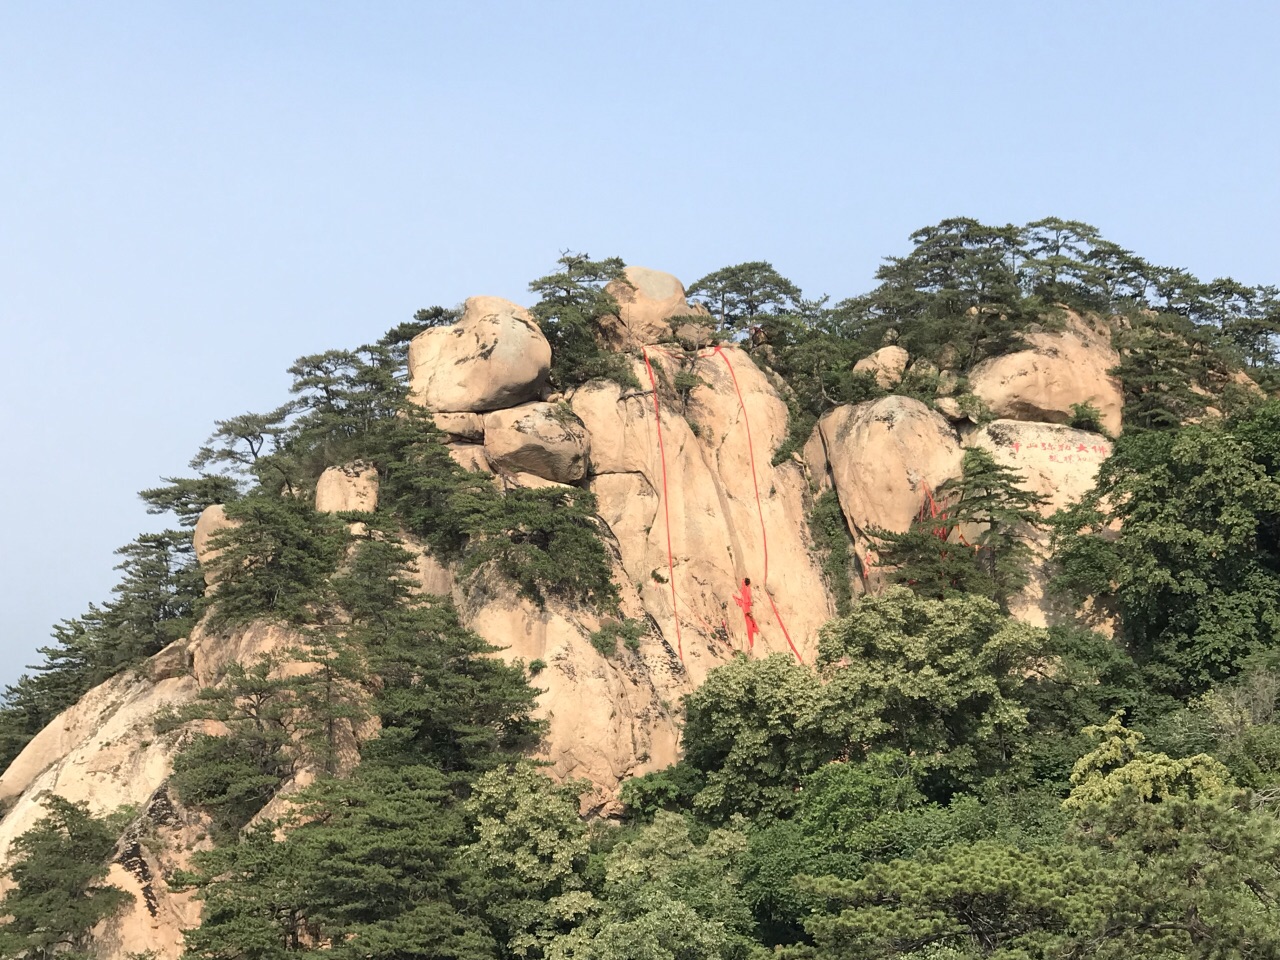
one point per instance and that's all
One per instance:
(692, 505)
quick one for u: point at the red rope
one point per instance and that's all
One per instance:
(764, 536)
(666, 509)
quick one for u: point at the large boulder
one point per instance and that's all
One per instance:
(1057, 462)
(1061, 368)
(213, 520)
(352, 487)
(648, 300)
(881, 457)
(493, 357)
(887, 365)
(545, 439)
(704, 493)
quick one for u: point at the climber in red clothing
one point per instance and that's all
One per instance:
(744, 601)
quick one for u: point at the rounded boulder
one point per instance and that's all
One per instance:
(544, 439)
(493, 357)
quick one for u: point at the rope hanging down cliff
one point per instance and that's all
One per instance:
(743, 601)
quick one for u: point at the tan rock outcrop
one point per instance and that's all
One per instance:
(647, 302)
(493, 357)
(606, 715)
(469, 456)
(349, 488)
(461, 426)
(1060, 464)
(887, 365)
(717, 534)
(1061, 368)
(212, 521)
(881, 457)
(547, 440)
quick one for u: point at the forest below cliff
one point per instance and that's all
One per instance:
(945, 781)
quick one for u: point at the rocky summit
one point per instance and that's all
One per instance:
(746, 474)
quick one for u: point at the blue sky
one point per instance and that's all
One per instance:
(193, 194)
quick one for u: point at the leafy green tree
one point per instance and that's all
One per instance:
(1193, 566)
(1199, 875)
(1161, 358)
(154, 603)
(255, 899)
(998, 514)
(441, 697)
(530, 855)
(936, 679)
(571, 302)
(754, 729)
(985, 899)
(249, 445)
(548, 543)
(187, 497)
(232, 776)
(666, 897)
(58, 869)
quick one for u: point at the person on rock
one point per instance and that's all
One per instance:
(743, 600)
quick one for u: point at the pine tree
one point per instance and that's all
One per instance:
(58, 868)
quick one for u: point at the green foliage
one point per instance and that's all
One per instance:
(1161, 358)
(1193, 568)
(628, 631)
(754, 729)
(740, 296)
(58, 869)
(986, 899)
(529, 856)
(545, 541)
(233, 775)
(937, 679)
(992, 516)
(154, 603)
(369, 869)
(832, 539)
(671, 788)
(1085, 416)
(571, 303)
(666, 897)
(275, 563)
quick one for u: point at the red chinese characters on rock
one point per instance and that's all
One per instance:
(1061, 451)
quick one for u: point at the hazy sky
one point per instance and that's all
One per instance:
(193, 194)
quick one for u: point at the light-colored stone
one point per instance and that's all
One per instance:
(1061, 465)
(212, 521)
(717, 534)
(1060, 369)
(1058, 462)
(882, 457)
(470, 456)
(461, 426)
(493, 357)
(607, 719)
(349, 488)
(544, 439)
(887, 365)
(949, 407)
(647, 302)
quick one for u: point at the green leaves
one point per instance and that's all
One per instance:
(570, 303)
(275, 563)
(1193, 567)
(58, 895)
